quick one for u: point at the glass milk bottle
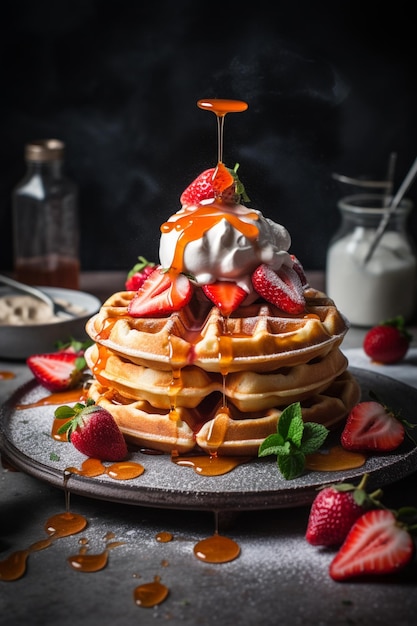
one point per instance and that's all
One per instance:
(45, 220)
(384, 286)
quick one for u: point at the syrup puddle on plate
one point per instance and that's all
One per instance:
(334, 459)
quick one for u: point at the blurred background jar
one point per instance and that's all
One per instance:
(45, 220)
(371, 289)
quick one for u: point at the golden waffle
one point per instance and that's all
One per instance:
(211, 427)
(248, 390)
(259, 337)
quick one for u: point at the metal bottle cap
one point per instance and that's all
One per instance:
(45, 150)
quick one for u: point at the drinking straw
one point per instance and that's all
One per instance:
(359, 182)
(390, 178)
(390, 210)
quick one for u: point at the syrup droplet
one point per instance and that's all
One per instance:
(220, 106)
(88, 562)
(83, 562)
(150, 594)
(122, 470)
(4, 375)
(65, 524)
(125, 470)
(210, 465)
(334, 459)
(56, 425)
(57, 526)
(14, 566)
(218, 428)
(164, 536)
(217, 549)
(90, 468)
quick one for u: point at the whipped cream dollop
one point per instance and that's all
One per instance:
(223, 242)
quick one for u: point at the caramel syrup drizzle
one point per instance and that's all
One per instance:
(194, 223)
(191, 225)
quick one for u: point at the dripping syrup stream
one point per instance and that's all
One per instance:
(220, 134)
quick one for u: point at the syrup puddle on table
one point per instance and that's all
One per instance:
(84, 562)
(215, 549)
(58, 526)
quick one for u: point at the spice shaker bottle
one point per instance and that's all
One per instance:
(45, 220)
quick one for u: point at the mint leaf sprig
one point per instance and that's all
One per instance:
(293, 440)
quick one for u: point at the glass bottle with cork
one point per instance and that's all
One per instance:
(45, 220)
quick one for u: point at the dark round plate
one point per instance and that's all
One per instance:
(26, 442)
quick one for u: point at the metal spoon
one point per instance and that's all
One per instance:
(56, 308)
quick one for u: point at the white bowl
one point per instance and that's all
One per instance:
(20, 341)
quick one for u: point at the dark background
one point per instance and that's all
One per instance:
(331, 87)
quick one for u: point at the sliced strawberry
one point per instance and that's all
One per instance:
(138, 274)
(299, 269)
(372, 426)
(226, 295)
(162, 293)
(282, 288)
(57, 371)
(93, 431)
(215, 183)
(376, 544)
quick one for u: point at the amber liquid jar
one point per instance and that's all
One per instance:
(45, 220)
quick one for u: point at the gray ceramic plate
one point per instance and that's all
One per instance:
(25, 440)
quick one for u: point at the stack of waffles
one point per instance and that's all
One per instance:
(223, 334)
(197, 380)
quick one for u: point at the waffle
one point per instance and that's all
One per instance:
(248, 390)
(195, 379)
(259, 337)
(213, 428)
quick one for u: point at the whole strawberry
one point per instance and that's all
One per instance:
(138, 274)
(388, 342)
(93, 431)
(334, 511)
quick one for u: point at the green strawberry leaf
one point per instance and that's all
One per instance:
(239, 186)
(73, 415)
(64, 412)
(293, 440)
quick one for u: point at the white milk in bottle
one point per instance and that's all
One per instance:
(384, 286)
